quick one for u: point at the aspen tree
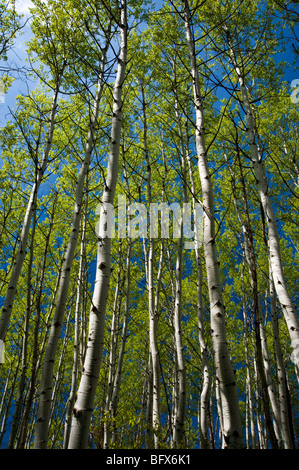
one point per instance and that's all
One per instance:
(232, 430)
(262, 184)
(204, 397)
(24, 362)
(179, 417)
(9, 392)
(117, 377)
(36, 352)
(18, 264)
(75, 368)
(42, 424)
(285, 418)
(251, 260)
(249, 388)
(113, 346)
(89, 379)
(4, 406)
(154, 352)
(116, 361)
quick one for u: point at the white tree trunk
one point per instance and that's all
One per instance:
(204, 397)
(113, 348)
(42, 424)
(273, 236)
(285, 417)
(261, 343)
(179, 419)
(87, 389)
(75, 369)
(17, 268)
(272, 394)
(249, 396)
(118, 372)
(155, 421)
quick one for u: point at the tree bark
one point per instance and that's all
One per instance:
(37, 350)
(118, 372)
(155, 363)
(82, 410)
(42, 424)
(251, 260)
(285, 416)
(204, 397)
(24, 363)
(75, 369)
(18, 264)
(232, 429)
(113, 347)
(273, 236)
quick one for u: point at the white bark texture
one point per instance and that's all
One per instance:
(17, 268)
(273, 236)
(113, 347)
(75, 369)
(204, 396)
(249, 391)
(87, 389)
(45, 397)
(232, 429)
(285, 418)
(155, 421)
(121, 354)
(179, 418)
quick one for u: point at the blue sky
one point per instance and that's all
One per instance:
(17, 58)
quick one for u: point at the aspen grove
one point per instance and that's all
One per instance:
(149, 224)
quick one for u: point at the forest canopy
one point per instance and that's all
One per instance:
(149, 225)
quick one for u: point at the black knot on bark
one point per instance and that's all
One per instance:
(76, 412)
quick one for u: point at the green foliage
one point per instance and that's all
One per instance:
(68, 38)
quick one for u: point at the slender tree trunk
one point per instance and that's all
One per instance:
(75, 369)
(42, 424)
(38, 354)
(261, 444)
(142, 423)
(18, 264)
(251, 260)
(149, 407)
(151, 297)
(273, 236)
(117, 377)
(249, 391)
(35, 349)
(24, 363)
(232, 429)
(5, 405)
(269, 381)
(113, 347)
(87, 389)
(204, 397)
(179, 419)
(60, 366)
(285, 417)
